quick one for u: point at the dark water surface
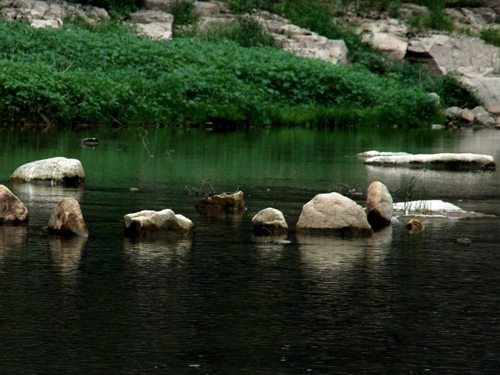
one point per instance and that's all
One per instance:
(226, 302)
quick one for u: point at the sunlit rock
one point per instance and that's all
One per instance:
(55, 170)
(156, 222)
(487, 89)
(12, 210)
(415, 226)
(465, 161)
(335, 212)
(268, 221)
(67, 219)
(373, 153)
(378, 205)
(222, 203)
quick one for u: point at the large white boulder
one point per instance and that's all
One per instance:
(67, 219)
(55, 170)
(269, 220)
(487, 89)
(333, 211)
(378, 205)
(12, 210)
(440, 161)
(156, 222)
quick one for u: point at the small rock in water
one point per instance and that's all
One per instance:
(91, 142)
(415, 226)
(464, 241)
(134, 189)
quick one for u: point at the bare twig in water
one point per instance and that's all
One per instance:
(145, 142)
(200, 191)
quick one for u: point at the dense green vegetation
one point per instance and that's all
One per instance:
(491, 36)
(110, 76)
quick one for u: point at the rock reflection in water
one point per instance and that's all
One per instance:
(41, 198)
(330, 252)
(66, 253)
(270, 247)
(13, 242)
(157, 251)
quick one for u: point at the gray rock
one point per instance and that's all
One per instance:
(56, 170)
(451, 161)
(483, 117)
(335, 212)
(415, 226)
(41, 24)
(487, 89)
(67, 219)
(155, 30)
(12, 210)
(156, 222)
(464, 241)
(269, 220)
(378, 205)
(148, 16)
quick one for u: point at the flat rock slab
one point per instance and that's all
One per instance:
(373, 153)
(448, 161)
(55, 170)
(432, 211)
(149, 222)
(487, 89)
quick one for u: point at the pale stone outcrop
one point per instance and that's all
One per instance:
(222, 202)
(378, 205)
(387, 35)
(488, 90)
(302, 42)
(155, 24)
(269, 220)
(45, 14)
(445, 160)
(12, 210)
(433, 206)
(67, 219)
(149, 222)
(483, 117)
(464, 55)
(333, 211)
(55, 170)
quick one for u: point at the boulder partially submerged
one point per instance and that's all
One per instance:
(465, 161)
(432, 210)
(12, 210)
(55, 170)
(67, 219)
(378, 205)
(149, 222)
(269, 221)
(333, 212)
(222, 203)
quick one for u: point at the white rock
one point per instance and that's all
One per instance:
(155, 30)
(269, 220)
(333, 211)
(156, 222)
(58, 169)
(427, 206)
(488, 90)
(41, 24)
(444, 160)
(372, 153)
(148, 16)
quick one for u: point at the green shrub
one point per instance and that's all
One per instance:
(116, 6)
(113, 76)
(491, 36)
(184, 12)
(247, 32)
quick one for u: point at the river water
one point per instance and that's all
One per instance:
(226, 302)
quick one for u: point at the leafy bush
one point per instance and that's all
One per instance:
(117, 6)
(184, 12)
(247, 32)
(491, 36)
(112, 76)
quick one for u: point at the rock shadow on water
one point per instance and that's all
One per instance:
(66, 254)
(162, 250)
(13, 242)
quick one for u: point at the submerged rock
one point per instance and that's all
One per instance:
(335, 212)
(90, 142)
(156, 222)
(268, 221)
(465, 161)
(379, 205)
(222, 202)
(56, 170)
(373, 153)
(415, 226)
(67, 219)
(12, 210)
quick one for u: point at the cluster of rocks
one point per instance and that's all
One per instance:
(50, 13)
(457, 117)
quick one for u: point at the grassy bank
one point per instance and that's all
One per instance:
(109, 76)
